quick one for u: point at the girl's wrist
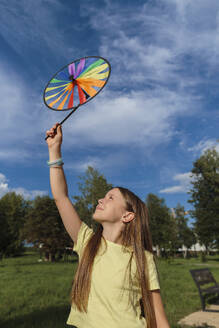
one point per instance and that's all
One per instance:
(54, 154)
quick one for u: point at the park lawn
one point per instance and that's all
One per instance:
(179, 292)
(36, 294)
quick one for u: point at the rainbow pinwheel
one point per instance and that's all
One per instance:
(77, 83)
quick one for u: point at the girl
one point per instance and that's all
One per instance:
(116, 284)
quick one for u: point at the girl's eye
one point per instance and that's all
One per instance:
(111, 197)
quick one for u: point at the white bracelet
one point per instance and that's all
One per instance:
(58, 161)
(56, 165)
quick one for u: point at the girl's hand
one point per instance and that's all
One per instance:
(55, 136)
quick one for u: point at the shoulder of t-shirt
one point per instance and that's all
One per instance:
(84, 234)
(85, 228)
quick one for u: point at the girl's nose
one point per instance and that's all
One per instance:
(100, 201)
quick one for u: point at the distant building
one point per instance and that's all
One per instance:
(198, 248)
(195, 248)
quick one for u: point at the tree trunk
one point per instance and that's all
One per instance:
(46, 256)
(185, 253)
(203, 256)
(51, 257)
(158, 250)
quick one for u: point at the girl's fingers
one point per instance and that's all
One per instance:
(55, 126)
(49, 132)
(53, 131)
(59, 128)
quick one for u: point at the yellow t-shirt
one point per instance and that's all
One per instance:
(108, 305)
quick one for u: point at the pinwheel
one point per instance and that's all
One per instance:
(76, 84)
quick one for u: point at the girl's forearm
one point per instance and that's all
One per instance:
(57, 177)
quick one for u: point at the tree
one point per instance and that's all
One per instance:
(93, 186)
(173, 235)
(205, 198)
(12, 211)
(185, 235)
(43, 225)
(4, 232)
(161, 222)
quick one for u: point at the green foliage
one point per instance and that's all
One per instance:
(92, 186)
(185, 235)
(174, 243)
(205, 198)
(162, 230)
(43, 225)
(12, 212)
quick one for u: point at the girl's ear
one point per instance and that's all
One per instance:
(128, 216)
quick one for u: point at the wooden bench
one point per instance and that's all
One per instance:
(203, 277)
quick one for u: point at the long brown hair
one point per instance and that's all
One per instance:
(135, 234)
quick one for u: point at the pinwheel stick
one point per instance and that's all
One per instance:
(65, 118)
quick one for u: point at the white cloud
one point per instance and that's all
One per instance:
(149, 88)
(155, 52)
(203, 145)
(27, 194)
(3, 185)
(139, 119)
(103, 162)
(24, 119)
(161, 43)
(12, 153)
(81, 166)
(183, 179)
(32, 25)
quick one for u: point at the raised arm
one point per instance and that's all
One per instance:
(58, 184)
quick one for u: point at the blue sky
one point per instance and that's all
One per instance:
(157, 114)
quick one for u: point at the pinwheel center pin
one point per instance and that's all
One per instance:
(71, 77)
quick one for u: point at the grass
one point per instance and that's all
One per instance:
(35, 294)
(179, 292)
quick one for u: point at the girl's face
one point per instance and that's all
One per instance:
(111, 208)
